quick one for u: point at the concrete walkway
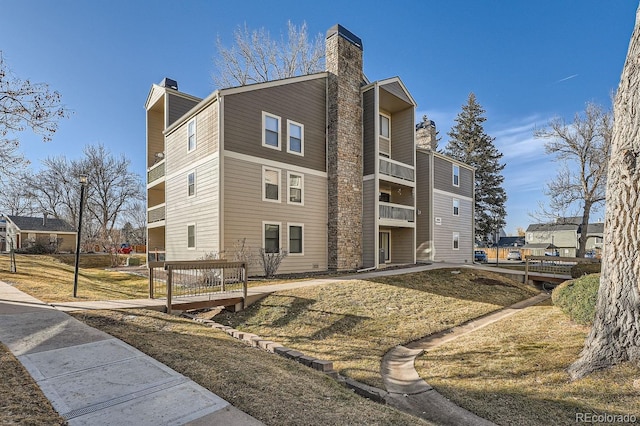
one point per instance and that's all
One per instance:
(92, 378)
(407, 391)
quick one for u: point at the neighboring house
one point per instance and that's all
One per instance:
(564, 235)
(24, 231)
(511, 242)
(323, 166)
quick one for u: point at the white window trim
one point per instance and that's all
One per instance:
(384, 154)
(193, 172)
(456, 235)
(264, 127)
(453, 175)
(268, 222)
(301, 203)
(289, 225)
(195, 236)
(195, 134)
(264, 190)
(289, 123)
(453, 206)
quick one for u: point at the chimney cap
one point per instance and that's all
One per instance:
(346, 34)
(170, 83)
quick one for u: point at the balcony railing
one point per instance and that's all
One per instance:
(155, 172)
(396, 169)
(396, 212)
(156, 214)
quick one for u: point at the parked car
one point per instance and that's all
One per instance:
(552, 253)
(591, 254)
(480, 256)
(125, 248)
(514, 255)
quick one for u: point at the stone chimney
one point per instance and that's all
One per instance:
(344, 152)
(426, 134)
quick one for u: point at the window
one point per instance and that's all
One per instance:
(31, 236)
(53, 238)
(191, 130)
(456, 207)
(191, 184)
(456, 240)
(296, 184)
(191, 236)
(456, 175)
(271, 237)
(295, 138)
(270, 130)
(385, 135)
(295, 239)
(271, 185)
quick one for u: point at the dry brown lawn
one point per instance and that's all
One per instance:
(354, 323)
(513, 372)
(21, 400)
(51, 280)
(273, 389)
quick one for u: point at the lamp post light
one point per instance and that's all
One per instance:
(83, 183)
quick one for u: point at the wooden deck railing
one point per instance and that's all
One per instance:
(552, 266)
(181, 279)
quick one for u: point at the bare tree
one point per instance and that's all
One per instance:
(615, 335)
(15, 199)
(111, 188)
(583, 147)
(23, 105)
(256, 57)
(136, 217)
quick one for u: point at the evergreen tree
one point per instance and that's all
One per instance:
(470, 144)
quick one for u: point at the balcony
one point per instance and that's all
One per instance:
(155, 172)
(396, 213)
(396, 169)
(156, 214)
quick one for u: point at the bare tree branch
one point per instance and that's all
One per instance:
(255, 57)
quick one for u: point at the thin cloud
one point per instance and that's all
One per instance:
(566, 78)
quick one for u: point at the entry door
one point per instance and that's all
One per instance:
(384, 242)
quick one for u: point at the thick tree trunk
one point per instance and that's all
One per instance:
(584, 230)
(615, 336)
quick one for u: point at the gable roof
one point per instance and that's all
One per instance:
(549, 227)
(38, 224)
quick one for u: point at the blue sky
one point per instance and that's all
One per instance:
(525, 61)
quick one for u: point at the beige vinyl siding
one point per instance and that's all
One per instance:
(369, 137)
(156, 93)
(443, 233)
(178, 106)
(245, 212)
(177, 156)
(402, 245)
(424, 219)
(302, 102)
(396, 89)
(402, 134)
(369, 231)
(442, 176)
(201, 210)
(155, 138)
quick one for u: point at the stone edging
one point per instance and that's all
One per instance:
(326, 367)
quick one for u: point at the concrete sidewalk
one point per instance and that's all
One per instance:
(92, 378)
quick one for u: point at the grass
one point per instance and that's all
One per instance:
(21, 400)
(577, 298)
(275, 390)
(354, 323)
(51, 280)
(513, 372)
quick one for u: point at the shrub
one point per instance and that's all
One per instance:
(577, 298)
(580, 269)
(270, 261)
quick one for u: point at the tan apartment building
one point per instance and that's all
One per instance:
(322, 166)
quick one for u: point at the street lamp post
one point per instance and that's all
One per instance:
(83, 183)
